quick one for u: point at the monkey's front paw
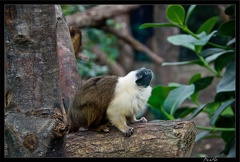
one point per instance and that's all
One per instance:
(143, 120)
(129, 132)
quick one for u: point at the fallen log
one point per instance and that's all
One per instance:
(157, 138)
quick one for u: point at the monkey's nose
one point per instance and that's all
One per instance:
(146, 71)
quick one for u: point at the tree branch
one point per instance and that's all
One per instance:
(114, 67)
(135, 44)
(96, 16)
(156, 138)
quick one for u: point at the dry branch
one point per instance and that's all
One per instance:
(95, 16)
(156, 138)
(135, 44)
(114, 67)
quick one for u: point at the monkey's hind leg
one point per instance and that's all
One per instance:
(121, 123)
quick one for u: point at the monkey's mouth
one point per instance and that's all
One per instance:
(144, 77)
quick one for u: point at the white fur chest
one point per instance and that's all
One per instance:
(128, 99)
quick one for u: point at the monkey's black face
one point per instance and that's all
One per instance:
(144, 77)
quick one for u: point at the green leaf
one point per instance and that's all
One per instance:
(198, 48)
(226, 121)
(210, 51)
(158, 114)
(228, 111)
(184, 40)
(175, 14)
(195, 95)
(194, 98)
(189, 41)
(201, 135)
(111, 22)
(182, 112)
(195, 78)
(197, 111)
(227, 28)
(211, 107)
(176, 97)
(203, 83)
(151, 25)
(174, 84)
(232, 150)
(183, 63)
(190, 10)
(228, 81)
(220, 110)
(231, 42)
(204, 38)
(158, 96)
(230, 10)
(223, 60)
(208, 25)
(224, 96)
(216, 55)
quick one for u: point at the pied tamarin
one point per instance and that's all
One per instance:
(111, 99)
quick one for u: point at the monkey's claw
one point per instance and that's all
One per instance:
(129, 132)
(143, 120)
(105, 129)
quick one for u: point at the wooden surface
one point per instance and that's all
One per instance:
(156, 138)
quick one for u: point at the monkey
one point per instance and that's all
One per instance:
(110, 99)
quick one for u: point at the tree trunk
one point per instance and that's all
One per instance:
(152, 139)
(69, 75)
(35, 116)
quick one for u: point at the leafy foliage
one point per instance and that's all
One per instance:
(218, 59)
(95, 37)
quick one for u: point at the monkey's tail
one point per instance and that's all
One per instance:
(73, 129)
(73, 122)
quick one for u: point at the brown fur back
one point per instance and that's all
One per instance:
(91, 101)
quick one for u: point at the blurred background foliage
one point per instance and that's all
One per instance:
(107, 43)
(218, 58)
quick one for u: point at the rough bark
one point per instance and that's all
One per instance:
(35, 117)
(152, 139)
(69, 76)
